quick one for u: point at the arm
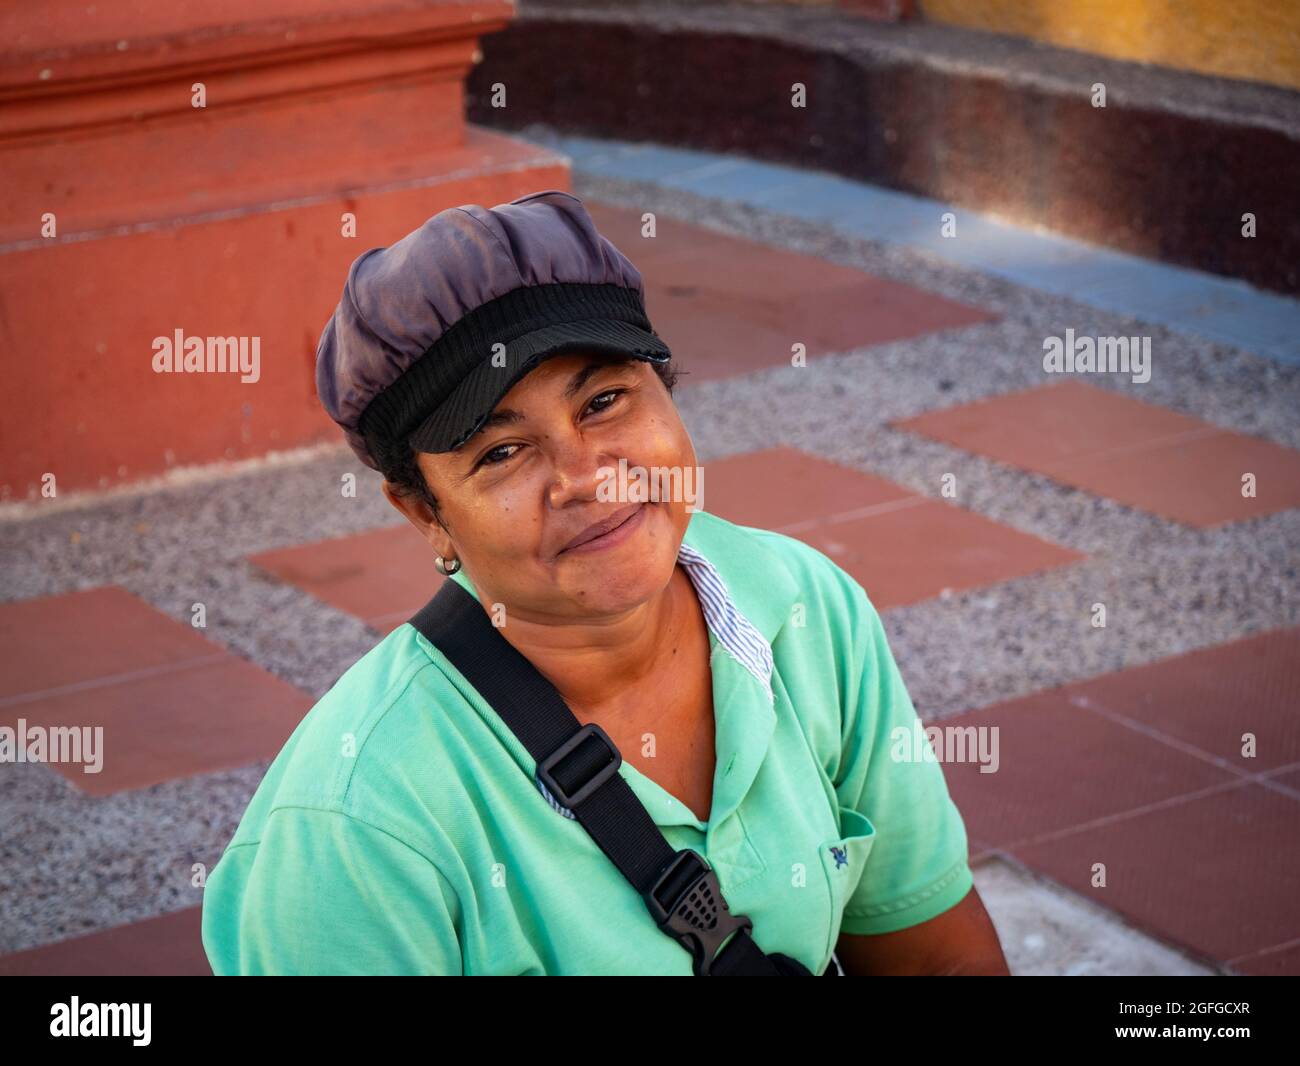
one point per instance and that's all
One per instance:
(915, 909)
(958, 942)
(324, 893)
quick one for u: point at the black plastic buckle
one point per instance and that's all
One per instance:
(544, 768)
(687, 904)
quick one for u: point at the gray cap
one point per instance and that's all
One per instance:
(411, 353)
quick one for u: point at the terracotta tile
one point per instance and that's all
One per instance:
(1111, 770)
(1284, 962)
(1287, 779)
(205, 718)
(922, 547)
(1209, 698)
(900, 546)
(731, 306)
(202, 711)
(782, 487)
(382, 576)
(1140, 454)
(167, 946)
(1041, 428)
(87, 636)
(1061, 766)
(1197, 482)
(1217, 874)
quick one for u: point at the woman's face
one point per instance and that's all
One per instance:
(514, 496)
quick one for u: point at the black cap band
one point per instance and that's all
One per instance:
(399, 410)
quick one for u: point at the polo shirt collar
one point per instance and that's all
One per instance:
(756, 578)
(746, 594)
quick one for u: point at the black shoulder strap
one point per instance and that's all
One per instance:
(579, 764)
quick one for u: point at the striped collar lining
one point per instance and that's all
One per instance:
(734, 631)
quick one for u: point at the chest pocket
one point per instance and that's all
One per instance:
(843, 859)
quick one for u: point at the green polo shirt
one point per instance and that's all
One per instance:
(401, 831)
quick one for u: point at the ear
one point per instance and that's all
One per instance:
(420, 515)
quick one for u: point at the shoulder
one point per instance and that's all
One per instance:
(347, 755)
(343, 860)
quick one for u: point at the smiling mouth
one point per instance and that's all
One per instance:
(609, 536)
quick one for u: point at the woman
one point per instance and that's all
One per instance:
(497, 366)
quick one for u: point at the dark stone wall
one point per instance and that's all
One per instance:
(1145, 174)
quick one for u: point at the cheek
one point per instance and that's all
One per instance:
(661, 441)
(499, 527)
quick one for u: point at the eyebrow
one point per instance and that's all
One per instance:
(507, 417)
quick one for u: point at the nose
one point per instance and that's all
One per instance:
(576, 465)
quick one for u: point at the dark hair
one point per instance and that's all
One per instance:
(396, 459)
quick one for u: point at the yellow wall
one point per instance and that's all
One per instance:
(1254, 39)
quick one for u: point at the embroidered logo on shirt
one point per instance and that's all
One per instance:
(841, 857)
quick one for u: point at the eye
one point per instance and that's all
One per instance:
(599, 396)
(487, 459)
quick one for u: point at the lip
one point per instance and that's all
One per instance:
(607, 533)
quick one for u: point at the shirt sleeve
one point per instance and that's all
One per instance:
(324, 893)
(918, 864)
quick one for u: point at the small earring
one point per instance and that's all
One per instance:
(442, 566)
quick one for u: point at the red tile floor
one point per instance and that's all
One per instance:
(1176, 781)
(884, 535)
(169, 703)
(166, 946)
(1189, 471)
(732, 306)
(383, 576)
(1139, 774)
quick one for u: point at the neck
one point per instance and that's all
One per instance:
(598, 667)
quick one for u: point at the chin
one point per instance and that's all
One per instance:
(619, 580)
